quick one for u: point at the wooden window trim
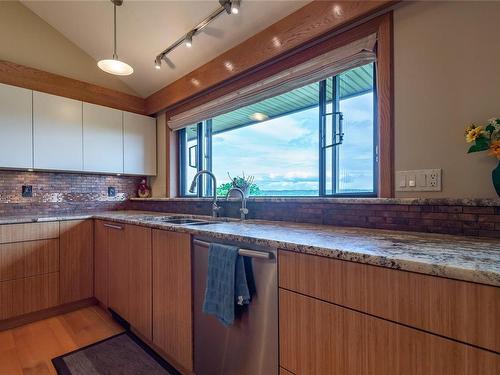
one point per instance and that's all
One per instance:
(383, 26)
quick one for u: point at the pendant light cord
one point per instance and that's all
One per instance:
(115, 56)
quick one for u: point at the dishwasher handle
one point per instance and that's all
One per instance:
(243, 252)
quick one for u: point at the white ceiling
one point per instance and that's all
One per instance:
(145, 28)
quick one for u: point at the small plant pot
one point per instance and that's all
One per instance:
(235, 194)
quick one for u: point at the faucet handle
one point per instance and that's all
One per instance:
(243, 213)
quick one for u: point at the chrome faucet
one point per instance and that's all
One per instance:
(215, 207)
(243, 209)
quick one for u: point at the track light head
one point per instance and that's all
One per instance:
(235, 6)
(226, 4)
(189, 39)
(158, 62)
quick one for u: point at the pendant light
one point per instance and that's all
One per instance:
(115, 66)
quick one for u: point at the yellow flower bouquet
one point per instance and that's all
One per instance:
(484, 139)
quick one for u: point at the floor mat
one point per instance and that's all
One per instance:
(123, 354)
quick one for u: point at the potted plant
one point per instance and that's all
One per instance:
(487, 138)
(245, 183)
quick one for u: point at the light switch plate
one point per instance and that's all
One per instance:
(419, 180)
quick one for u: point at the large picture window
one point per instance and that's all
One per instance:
(316, 140)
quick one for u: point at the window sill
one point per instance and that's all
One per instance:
(490, 202)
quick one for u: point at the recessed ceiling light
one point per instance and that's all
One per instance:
(195, 82)
(258, 116)
(229, 66)
(276, 42)
(113, 65)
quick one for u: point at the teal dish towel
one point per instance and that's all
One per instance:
(226, 283)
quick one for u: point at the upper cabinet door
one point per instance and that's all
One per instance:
(139, 144)
(16, 127)
(57, 125)
(102, 139)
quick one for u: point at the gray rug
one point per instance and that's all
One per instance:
(124, 354)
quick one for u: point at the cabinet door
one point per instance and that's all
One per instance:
(118, 276)
(102, 139)
(317, 337)
(139, 144)
(139, 279)
(76, 268)
(16, 143)
(101, 252)
(172, 301)
(57, 126)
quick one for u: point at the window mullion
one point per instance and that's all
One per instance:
(182, 161)
(199, 158)
(322, 151)
(208, 154)
(335, 123)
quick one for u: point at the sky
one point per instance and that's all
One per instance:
(282, 153)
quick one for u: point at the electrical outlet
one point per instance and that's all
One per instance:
(419, 180)
(111, 191)
(27, 191)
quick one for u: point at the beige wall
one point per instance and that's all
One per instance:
(447, 74)
(28, 40)
(158, 183)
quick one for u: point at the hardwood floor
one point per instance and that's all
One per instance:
(28, 349)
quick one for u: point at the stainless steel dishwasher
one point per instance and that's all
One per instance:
(250, 345)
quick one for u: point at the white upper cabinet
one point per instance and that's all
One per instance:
(139, 144)
(16, 146)
(102, 139)
(57, 126)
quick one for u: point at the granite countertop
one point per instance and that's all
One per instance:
(473, 259)
(20, 219)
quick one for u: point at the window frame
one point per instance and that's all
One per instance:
(204, 149)
(384, 98)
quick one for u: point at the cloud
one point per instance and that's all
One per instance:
(282, 153)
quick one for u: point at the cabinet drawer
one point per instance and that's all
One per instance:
(317, 337)
(22, 296)
(24, 259)
(460, 310)
(28, 232)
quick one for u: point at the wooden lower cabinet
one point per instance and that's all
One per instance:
(118, 269)
(172, 297)
(101, 250)
(28, 232)
(76, 260)
(463, 311)
(30, 294)
(25, 259)
(317, 337)
(122, 272)
(140, 279)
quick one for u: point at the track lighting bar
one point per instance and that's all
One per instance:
(228, 6)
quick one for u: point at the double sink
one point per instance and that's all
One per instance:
(179, 220)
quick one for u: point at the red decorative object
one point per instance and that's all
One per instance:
(143, 191)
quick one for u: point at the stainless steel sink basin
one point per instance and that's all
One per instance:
(179, 220)
(182, 221)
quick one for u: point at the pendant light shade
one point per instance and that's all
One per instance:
(116, 67)
(113, 65)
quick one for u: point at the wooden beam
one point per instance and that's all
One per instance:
(309, 22)
(38, 80)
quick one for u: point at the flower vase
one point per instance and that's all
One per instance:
(495, 175)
